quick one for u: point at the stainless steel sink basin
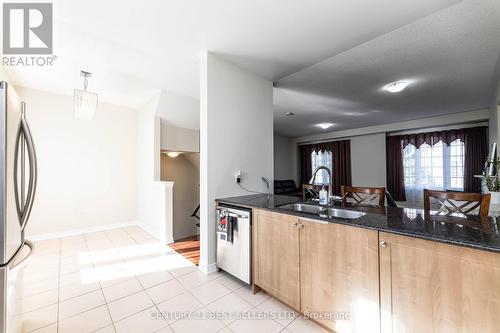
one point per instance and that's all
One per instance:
(341, 213)
(305, 208)
(324, 211)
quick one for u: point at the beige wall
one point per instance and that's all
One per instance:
(87, 169)
(185, 175)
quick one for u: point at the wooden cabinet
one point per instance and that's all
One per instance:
(276, 255)
(385, 282)
(339, 274)
(434, 287)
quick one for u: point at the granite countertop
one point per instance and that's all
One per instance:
(471, 230)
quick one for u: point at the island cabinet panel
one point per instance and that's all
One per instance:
(276, 256)
(434, 287)
(340, 276)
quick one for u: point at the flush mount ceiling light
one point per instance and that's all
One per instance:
(396, 87)
(85, 101)
(325, 125)
(173, 154)
(289, 114)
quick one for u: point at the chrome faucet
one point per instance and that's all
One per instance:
(330, 183)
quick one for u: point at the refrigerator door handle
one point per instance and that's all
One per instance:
(24, 135)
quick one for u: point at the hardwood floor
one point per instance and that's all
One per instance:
(189, 248)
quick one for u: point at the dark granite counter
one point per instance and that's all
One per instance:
(470, 230)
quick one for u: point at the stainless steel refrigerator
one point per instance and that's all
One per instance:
(18, 178)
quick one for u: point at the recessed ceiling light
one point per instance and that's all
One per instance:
(173, 154)
(325, 125)
(289, 114)
(396, 87)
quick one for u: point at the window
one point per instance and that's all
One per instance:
(440, 167)
(322, 158)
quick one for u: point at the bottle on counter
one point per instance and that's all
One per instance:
(323, 196)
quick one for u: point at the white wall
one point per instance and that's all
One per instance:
(154, 197)
(87, 169)
(185, 177)
(236, 133)
(179, 139)
(179, 111)
(368, 144)
(282, 156)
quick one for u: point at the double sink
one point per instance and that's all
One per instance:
(324, 211)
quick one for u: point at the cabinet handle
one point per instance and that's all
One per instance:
(295, 224)
(383, 244)
(301, 226)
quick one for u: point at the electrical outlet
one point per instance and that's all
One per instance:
(237, 176)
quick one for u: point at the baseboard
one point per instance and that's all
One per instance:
(209, 269)
(80, 231)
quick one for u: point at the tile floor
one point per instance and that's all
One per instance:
(123, 280)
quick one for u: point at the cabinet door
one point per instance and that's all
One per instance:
(434, 287)
(276, 255)
(340, 275)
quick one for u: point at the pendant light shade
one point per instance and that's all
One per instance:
(85, 101)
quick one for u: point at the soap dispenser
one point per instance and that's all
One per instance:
(323, 196)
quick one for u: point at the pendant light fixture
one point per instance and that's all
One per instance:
(85, 101)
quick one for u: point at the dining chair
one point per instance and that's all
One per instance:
(458, 202)
(363, 195)
(310, 191)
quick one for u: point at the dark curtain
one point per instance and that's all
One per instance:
(395, 173)
(341, 155)
(476, 152)
(431, 138)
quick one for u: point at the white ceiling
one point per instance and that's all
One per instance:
(449, 56)
(136, 48)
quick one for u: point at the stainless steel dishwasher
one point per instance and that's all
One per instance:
(233, 227)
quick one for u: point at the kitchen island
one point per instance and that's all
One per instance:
(388, 270)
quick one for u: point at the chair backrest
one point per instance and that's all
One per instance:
(370, 194)
(390, 200)
(458, 202)
(310, 191)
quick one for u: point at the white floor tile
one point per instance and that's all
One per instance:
(149, 280)
(209, 292)
(182, 267)
(37, 301)
(80, 304)
(302, 325)
(231, 307)
(257, 322)
(77, 289)
(127, 306)
(146, 321)
(47, 329)
(176, 307)
(230, 281)
(164, 291)
(199, 322)
(107, 329)
(196, 278)
(255, 299)
(87, 321)
(122, 289)
(284, 315)
(39, 318)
